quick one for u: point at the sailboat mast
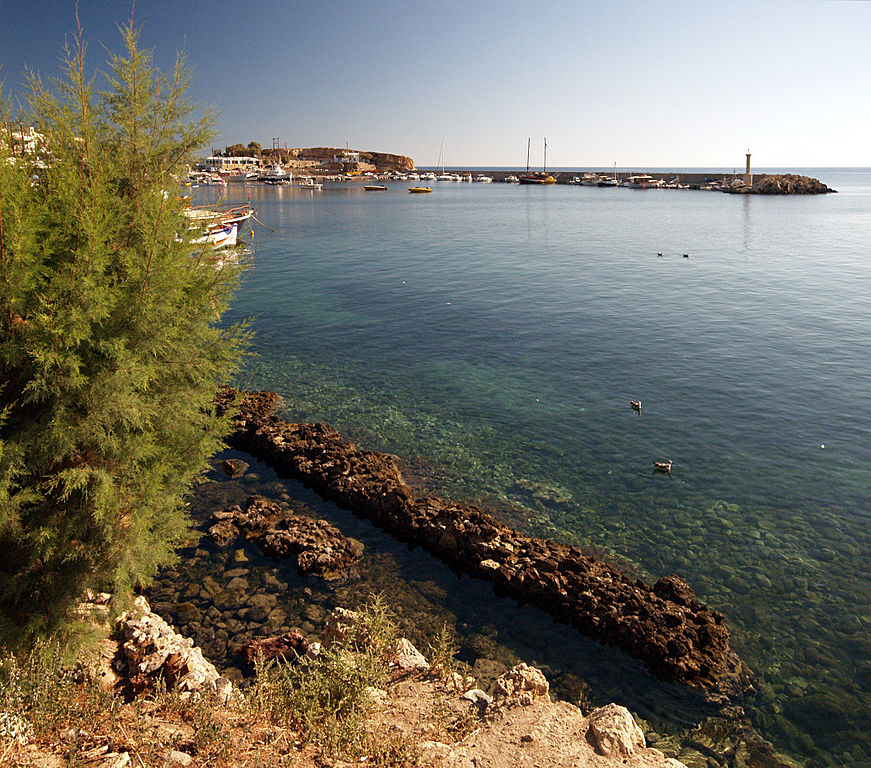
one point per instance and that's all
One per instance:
(545, 155)
(528, 144)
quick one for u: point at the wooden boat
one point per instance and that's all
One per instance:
(220, 225)
(537, 177)
(419, 190)
(375, 188)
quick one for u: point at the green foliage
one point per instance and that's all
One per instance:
(378, 630)
(254, 148)
(324, 699)
(442, 654)
(236, 150)
(37, 689)
(110, 343)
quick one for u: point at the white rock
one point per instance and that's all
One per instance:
(615, 732)
(521, 684)
(178, 758)
(408, 657)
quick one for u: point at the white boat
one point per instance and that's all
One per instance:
(220, 227)
(413, 177)
(512, 180)
(275, 173)
(484, 179)
(590, 180)
(309, 183)
(427, 177)
(220, 236)
(643, 181)
(468, 177)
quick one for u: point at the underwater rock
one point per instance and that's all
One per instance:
(320, 548)
(234, 467)
(676, 636)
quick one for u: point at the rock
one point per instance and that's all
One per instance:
(521, 685)
(616, 734)
(665, 626)
(234, 467)
(259, 606)
(477, 698)
(152, 648)
(174, 757)
(433, 752)
(789, 184)
(320, 548)
(115, 760)
(408, 657)
(187, 613)
(341, 626)
(288, 646)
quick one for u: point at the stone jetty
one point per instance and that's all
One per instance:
(664, 625)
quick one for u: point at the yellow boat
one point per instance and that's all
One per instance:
(419, 190)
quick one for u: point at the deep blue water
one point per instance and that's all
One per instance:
(495, 334)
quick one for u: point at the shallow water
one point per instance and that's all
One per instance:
(493, 335)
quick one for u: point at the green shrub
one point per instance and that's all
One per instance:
(110, 344)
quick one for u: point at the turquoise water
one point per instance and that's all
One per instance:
(493, 336)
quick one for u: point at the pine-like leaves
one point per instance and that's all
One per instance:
(110, 348)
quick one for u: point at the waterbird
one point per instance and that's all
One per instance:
(662, 466)
(636, 404)
(686, 255)
(659, 253)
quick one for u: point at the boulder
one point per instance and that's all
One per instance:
(408, 657)
(234, 467)
(151, 648)
(289, 646)
(521, 685)
(615, 732)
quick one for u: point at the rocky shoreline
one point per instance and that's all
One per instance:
(664, 625)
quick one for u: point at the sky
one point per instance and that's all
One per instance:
(640, 84)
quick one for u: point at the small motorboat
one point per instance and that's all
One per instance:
(662, 466)
(375, 188)
(419, 190)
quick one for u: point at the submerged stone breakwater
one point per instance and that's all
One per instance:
(664, 625)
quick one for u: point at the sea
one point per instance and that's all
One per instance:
(492, 337)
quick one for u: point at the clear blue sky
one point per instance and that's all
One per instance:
(640, 83)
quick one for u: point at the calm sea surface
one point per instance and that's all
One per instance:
(494, 335)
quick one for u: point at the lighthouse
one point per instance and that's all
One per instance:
(748, 177)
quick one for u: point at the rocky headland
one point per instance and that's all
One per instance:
(676, 636)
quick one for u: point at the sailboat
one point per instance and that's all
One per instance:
(536, 177)
(442, 175)
(609, 181)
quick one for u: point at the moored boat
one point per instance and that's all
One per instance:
(537, 177)
(419, 190)
(375, 188)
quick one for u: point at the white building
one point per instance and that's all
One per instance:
(229, 164)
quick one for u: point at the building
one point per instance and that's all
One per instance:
(221, 164)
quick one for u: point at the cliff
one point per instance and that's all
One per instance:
(383, 161)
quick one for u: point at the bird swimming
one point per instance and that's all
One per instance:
(636, 404)
(662, 466)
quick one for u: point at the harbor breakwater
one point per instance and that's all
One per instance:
(664, 625)
(763, 183)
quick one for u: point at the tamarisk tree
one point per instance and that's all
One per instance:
(111, 347)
